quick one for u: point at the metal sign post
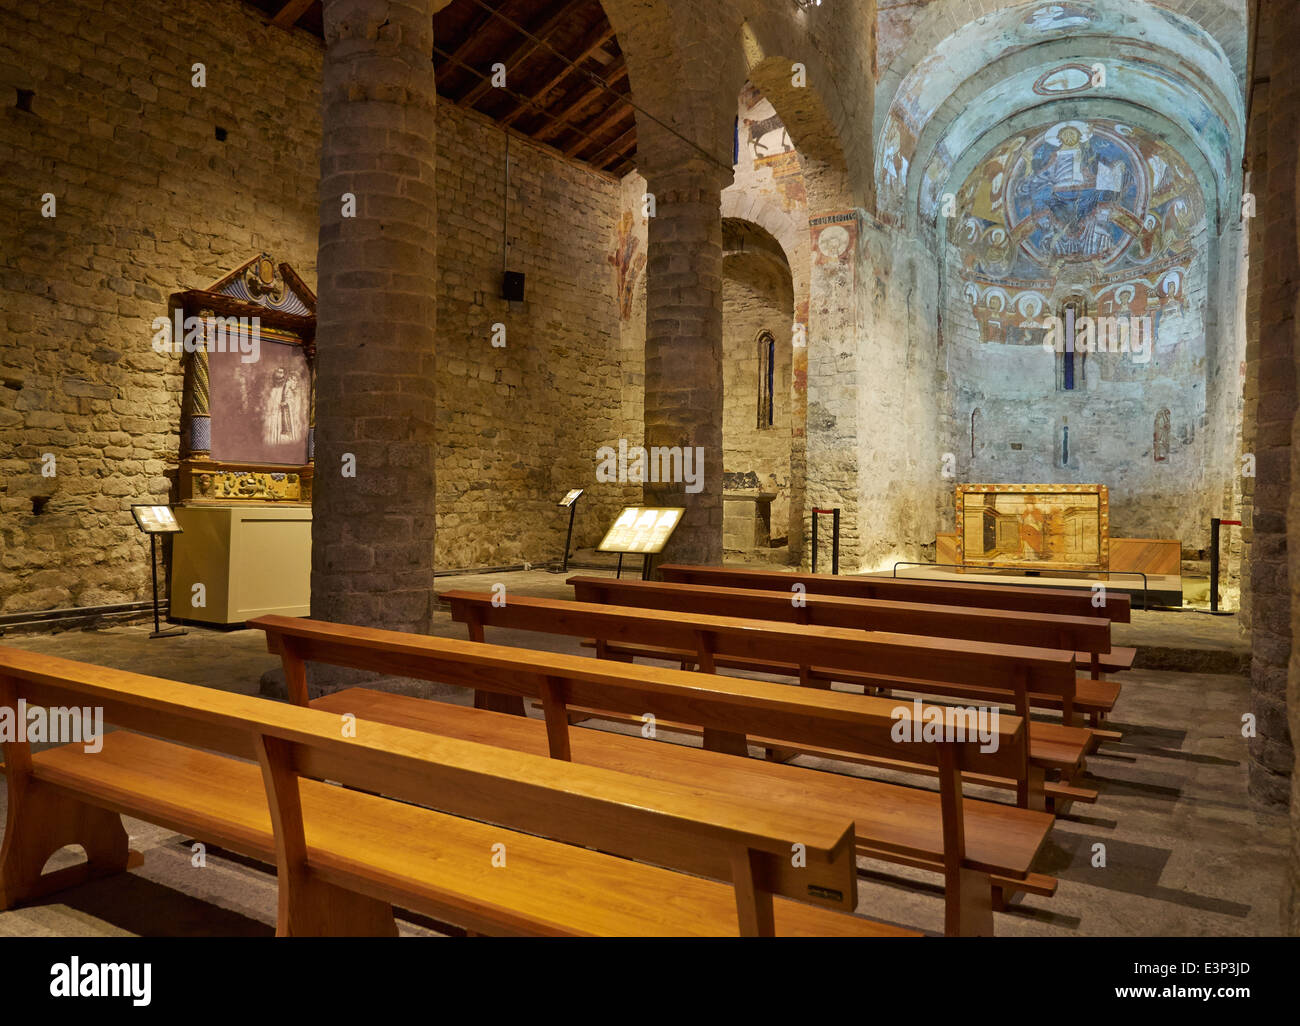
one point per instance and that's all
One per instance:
(570, 500)
(153, 521)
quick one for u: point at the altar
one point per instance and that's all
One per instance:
(1051, 535)
(247, 452)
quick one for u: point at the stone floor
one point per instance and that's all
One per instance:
(1184, 851)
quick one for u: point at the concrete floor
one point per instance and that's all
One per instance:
(1185, 853)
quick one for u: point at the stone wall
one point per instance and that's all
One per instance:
(520, 424)
(149, 200)
(161, 186)
(1011, 387)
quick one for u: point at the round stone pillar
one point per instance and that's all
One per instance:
(683, 355)
(373, 508)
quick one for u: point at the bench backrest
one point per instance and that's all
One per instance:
(601, 809)
(1001, 626)
(1066, 602)
(726, 705)
(993, 670)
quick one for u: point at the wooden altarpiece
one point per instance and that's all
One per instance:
(248, 406)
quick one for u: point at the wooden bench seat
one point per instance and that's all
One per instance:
(1085, 635)
(1091, 635)
(1065, 601)
(899, 820)
(1056, 747)
(980, 672)
(1117, 660)
(1058, 793)
(900, 824)
(355, 839)
(588, 850)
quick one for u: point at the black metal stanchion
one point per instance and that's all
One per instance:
(835, 538)
(1215, 524)
(814, 540)
(158, 632)
(1214, 564)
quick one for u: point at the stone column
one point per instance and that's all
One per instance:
(832, 382)
(1273, 362)
(372, 536)
(683, 348)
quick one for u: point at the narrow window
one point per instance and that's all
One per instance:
(1072, 313)
(766, 378)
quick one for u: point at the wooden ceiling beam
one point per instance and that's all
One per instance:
(619, 168)
(616, 113)
(469, 41)
(524, 49)
(616, 72)
(615, 148)
(289, 14)
(602, 35)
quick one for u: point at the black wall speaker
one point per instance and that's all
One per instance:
(512, 286)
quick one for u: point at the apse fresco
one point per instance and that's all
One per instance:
(1095, 202)
(1132, 72)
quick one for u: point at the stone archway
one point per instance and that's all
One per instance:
(762, 502)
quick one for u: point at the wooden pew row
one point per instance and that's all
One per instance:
(1062, 601)
(1087, 635)
(976, 672)
(982, 849)
(423, 838)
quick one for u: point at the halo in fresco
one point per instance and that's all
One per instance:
(1058, 16)
(1062, 81)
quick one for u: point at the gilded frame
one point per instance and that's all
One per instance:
(1069, 548)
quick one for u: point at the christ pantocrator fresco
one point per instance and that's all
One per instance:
(1093, 200)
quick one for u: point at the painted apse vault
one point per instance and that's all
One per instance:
(1094, 209)
(1096, 218)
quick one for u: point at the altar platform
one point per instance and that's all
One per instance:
(1145, 590)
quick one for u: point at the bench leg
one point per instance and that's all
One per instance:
(42, 820)
(494, 701)
(310, 907)
(1036, 798)
(968, 904)
(725, 741)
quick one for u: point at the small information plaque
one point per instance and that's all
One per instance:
(570, 498)
(156, 519)
(642, 529)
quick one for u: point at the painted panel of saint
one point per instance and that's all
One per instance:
(260, 409)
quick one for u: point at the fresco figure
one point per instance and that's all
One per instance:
(1160, 441)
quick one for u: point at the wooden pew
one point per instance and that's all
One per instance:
(423, 837)
(1087, 637)
(1065, 602)
(969, 670)
(981, 848)
(1062, 601)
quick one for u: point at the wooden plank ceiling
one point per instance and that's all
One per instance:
(566, 81)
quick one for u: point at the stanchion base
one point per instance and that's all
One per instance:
(1216, 612)
(169, 632)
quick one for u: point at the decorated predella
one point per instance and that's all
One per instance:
(1095, 203)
